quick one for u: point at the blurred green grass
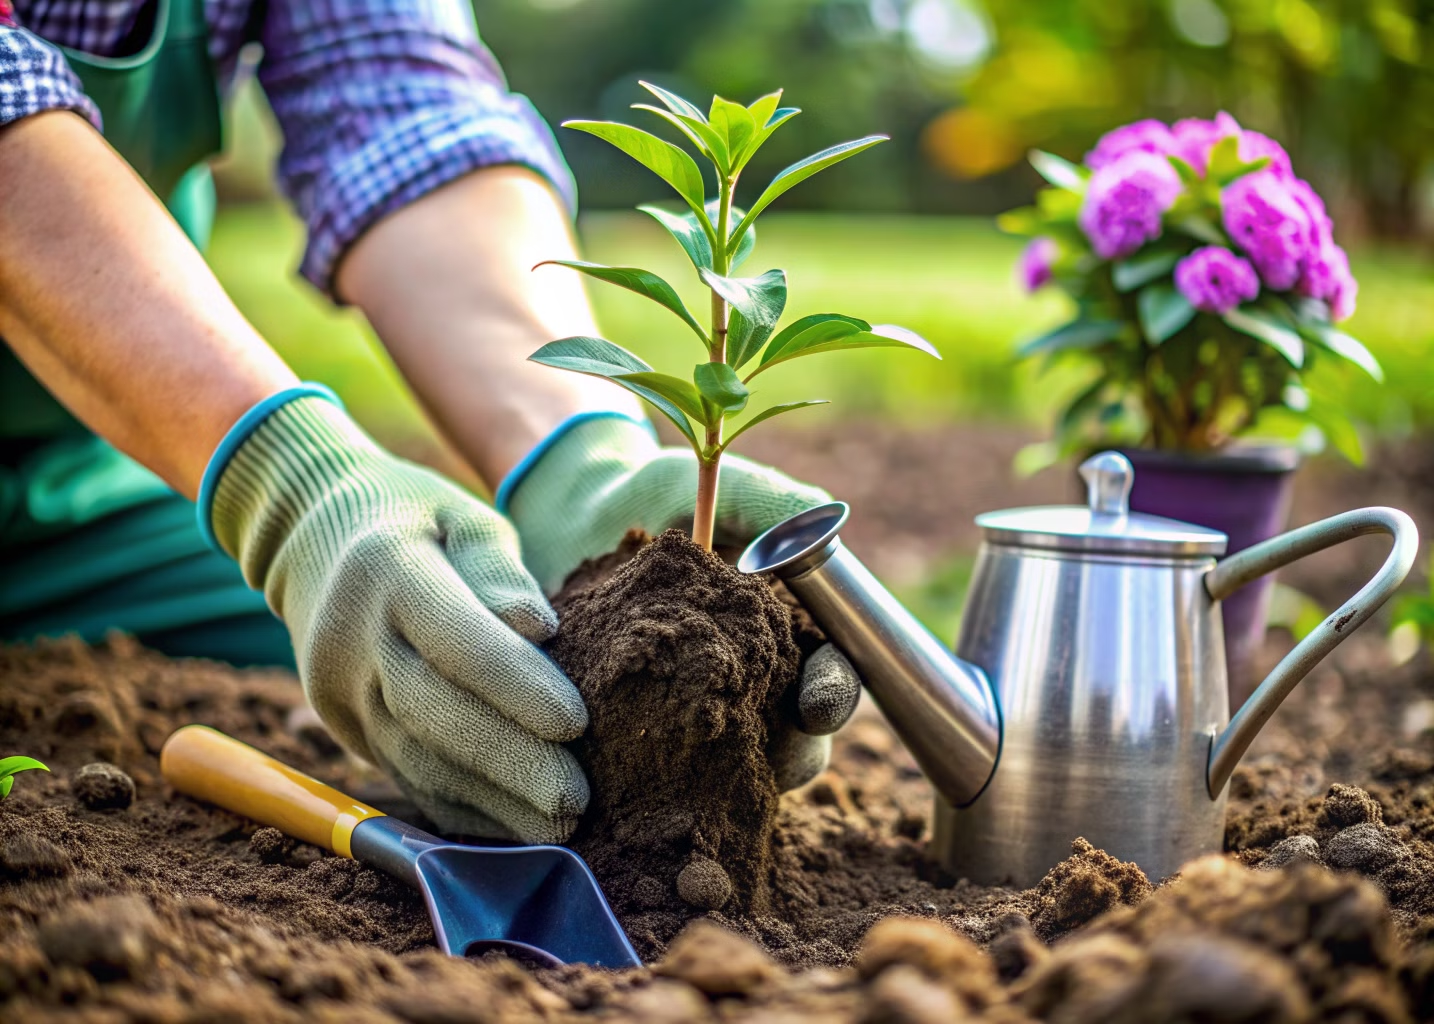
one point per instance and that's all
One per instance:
(948, 278)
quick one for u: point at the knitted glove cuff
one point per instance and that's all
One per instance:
(304, 453)
(571, 434)
(232, 441)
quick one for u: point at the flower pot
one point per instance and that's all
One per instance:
(1244, 493)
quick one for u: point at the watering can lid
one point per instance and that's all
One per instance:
(1105, 524)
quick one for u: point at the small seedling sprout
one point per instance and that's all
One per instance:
(10, 765)
(717, 236)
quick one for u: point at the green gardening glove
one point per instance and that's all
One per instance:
(599, 475)
(412, 617)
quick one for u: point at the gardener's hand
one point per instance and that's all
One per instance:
(413, 619)
(600, 477)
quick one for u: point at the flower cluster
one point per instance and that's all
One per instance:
(1206, 283)
(1273, 220)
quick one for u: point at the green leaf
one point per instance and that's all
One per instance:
(662, 158)
(643, 282)
(1346, 347)
(1189, 176)
(689, 233)
(1025, 221)
(757, 304)
(1225, 165)
(720, 385)
(1266, 327)
(1059, 206)
(828, 332)
(1076, 334)
(674, 102)
(1338, 430)
(598, 357)
(1059, 171)
(5, 783)
(804, 169)
(764, 107)
(1200, 228)
(679, 392)
(1142, 268)
(734, 123)
(767, 414)
(779, 117)
(1162, 311)
(699, 133)
(20, 763)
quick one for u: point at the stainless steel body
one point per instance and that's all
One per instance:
(1110, 675)
(948, 715)
(1090, 676)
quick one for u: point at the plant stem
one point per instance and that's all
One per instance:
(704, 517)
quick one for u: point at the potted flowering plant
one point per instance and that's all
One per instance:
(1207, 285)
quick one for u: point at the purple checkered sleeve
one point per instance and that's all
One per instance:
(380, 101)
(34, 77)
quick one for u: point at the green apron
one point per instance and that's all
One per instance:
(90, 540)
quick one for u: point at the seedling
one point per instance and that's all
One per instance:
(10, 765)
(717, 236)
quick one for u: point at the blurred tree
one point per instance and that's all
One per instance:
(1347, 85)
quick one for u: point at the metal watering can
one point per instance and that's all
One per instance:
(1087, 697)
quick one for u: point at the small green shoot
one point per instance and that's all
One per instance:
(740, 339)
(10, 765)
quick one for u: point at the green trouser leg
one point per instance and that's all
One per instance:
(145, 570)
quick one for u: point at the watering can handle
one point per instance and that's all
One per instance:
(1267, 556)
(206, 764)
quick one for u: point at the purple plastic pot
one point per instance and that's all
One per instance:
(1245, 494)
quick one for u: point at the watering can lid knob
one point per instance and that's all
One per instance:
(1109, 477)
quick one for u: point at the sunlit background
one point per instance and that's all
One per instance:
(904, 233)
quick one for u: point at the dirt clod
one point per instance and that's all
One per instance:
(684, 664)
(111, 938)
(714, 960)
(1087, 884)
(101, 786)
(1293, 850)
(27, 856)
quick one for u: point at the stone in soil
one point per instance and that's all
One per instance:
(101, 786)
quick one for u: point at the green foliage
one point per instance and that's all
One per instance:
(745, 310)
(1415, 613)
(10, 765)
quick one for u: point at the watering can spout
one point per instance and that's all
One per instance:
(943, 707)
(1227, 747)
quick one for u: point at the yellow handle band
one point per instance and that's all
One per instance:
(208, 765)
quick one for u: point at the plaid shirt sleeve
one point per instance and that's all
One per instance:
(381, 102)
(34, 76)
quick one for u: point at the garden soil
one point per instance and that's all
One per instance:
(120, 900)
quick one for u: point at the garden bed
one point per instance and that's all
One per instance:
(166, 909)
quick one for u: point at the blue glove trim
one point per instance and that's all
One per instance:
(504, 495)
(243, 428)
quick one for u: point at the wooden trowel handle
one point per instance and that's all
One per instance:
(208, 765)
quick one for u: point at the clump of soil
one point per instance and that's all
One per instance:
(684, 664)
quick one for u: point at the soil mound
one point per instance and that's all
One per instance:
(683, 663)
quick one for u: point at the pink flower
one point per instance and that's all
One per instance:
(1149, 136)
(1125, 201)
(1215, 280)
(1034, 267)
(1265, 219)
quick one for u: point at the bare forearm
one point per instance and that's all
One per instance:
(448, 284)
(109, 305)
